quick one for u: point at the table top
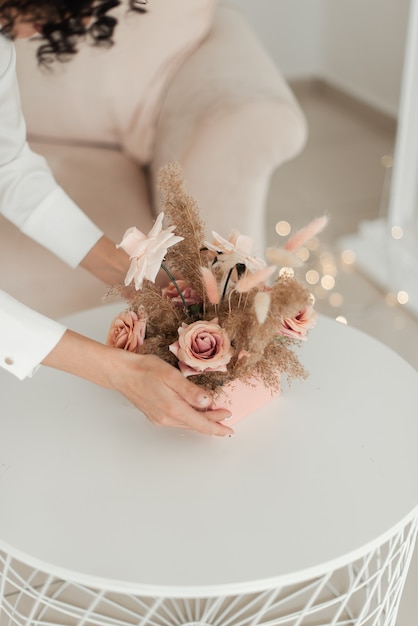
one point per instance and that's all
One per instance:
(91, 491)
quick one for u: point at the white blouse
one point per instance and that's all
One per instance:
(32, 200)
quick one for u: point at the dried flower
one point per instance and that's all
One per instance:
(250, 305)
(250, 281)
(282, 257)
(262, 305)
(211, 286)
(147, 252)
(236, 249)
(306, 234)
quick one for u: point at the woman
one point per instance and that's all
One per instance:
(31, 199)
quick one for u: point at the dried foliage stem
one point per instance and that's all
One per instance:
(173, 280)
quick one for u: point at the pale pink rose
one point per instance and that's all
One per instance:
(297, 327)
(202, 347)
(190, 295)
(147, 252)
(127, 331)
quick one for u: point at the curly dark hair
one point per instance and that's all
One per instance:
(62, 23)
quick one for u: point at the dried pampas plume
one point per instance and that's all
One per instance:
(182, 211)
(282, 257)
(262, 305)
(306, 234)
(211, 286)
(250, 281)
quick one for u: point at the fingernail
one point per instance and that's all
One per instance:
(227, 418)
(203, 400)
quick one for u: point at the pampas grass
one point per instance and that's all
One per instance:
(305, 234)
(262, 301)
(211, 286)
(282, 257)
(181, 210)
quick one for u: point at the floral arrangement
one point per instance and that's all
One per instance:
(212, 309)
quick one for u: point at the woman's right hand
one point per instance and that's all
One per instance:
(153, 386)
(165, 396)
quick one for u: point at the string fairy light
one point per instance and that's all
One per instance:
(328, 266)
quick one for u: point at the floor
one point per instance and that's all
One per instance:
(344, 172)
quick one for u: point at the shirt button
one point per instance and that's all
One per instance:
(8, 360)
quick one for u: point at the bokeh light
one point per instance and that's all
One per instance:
(328, 282)
(283, 228)
(397, 232)
(348, 257)
(303, 254)
(402, 297)
(336, 299)
(312, 277)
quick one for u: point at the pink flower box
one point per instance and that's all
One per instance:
(243, 399)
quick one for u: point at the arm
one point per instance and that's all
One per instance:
(30, 197)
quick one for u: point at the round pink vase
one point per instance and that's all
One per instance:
(242, 399)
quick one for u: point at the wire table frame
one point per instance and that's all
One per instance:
(365, 592)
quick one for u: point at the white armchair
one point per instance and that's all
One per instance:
(106, 122)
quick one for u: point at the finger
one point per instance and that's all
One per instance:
(194, 395)
(173, 411)
(184, 416)
(217, 415)
(201, 424)
(204, 420)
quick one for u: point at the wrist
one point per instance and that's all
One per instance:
(107, 262)
(82, 357)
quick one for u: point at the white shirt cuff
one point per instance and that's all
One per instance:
(26, 337)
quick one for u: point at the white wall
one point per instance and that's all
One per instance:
(356, 44)
(291, 31)
(364, 42)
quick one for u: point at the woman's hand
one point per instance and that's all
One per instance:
(165, 396)
(156, 388)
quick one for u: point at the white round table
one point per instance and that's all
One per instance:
(308, 512)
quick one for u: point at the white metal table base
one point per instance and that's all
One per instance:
(365, 592)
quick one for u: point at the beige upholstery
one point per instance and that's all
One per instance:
(219, 106)
(230, 119)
